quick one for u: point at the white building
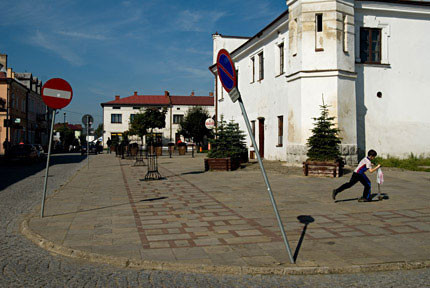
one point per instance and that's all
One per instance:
(117, 113)
(367, 59)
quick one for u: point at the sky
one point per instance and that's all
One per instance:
(107, 48)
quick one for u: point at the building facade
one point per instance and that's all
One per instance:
(359, 57)
(117, 113)
(23, 114)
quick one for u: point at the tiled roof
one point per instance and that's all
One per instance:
(141, 100)
(193, 100)
(163, 100)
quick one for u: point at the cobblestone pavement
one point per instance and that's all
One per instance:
(23, 264)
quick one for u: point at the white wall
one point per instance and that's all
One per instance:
(398, 123)
(266, 98)
(126, 111)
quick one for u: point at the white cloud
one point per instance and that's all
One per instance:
(197, 21)
(97, 36)
(199, 52)
(53, 45)
(191, 72)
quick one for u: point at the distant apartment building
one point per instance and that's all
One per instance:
(118, 113)
(76, 128)
(22, 111)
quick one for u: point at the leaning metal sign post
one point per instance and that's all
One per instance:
(228, 77)
(88, 120)
(57, 94)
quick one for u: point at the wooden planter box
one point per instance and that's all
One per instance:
(221, 164)
(182, 150)
(323, 168)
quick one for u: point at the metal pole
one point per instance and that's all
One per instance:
(47, 164)
(263, 171)
(88, 140)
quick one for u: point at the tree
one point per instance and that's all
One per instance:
(324, 143)
(67, 136)
(230, 141)
(193, 125)
(99, 131)
(150, 119)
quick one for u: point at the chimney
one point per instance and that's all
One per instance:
(211, 94)
(117, 97)
(192, 93)
(3, 61)
(166, 93)
(135, 93)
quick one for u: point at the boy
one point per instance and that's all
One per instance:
(359, 175)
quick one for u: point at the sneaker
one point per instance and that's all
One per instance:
(362, 199)
(333, 194)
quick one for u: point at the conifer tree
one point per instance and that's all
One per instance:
(324, 142)
(229, 141)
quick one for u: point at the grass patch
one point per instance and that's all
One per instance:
(412, 163)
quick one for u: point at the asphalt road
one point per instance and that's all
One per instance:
(22, 264)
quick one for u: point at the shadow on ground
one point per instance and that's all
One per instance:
(13, 172)
(110, 206)
(304, 219)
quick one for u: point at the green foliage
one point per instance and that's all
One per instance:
(324, 142)
(67, 136)
(412, 163)
(229, 141)
(193, 125)
(99, 131)
(145, 122)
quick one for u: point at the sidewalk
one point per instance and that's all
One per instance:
(223, 222)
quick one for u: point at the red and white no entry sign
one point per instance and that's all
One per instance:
(57, 93)
(210, 123)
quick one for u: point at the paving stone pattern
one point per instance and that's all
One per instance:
(23, 264)
(188, 217)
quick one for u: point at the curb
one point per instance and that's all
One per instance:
(124, 262)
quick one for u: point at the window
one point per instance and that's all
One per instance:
(116, 107)
(319, 35)
(136, 108)
(116, 118)
(281, 58)
(116, 136)
(280, 130)
(178, 108)
(370, 45)
(253, 70)
(261, 66)
(132, 117)
(177, 119)
(319, 22)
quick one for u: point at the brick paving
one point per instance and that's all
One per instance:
(225, 218)
(186, 216)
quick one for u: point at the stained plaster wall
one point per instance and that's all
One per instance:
(398, 123)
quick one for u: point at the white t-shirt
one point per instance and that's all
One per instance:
(363, 166)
